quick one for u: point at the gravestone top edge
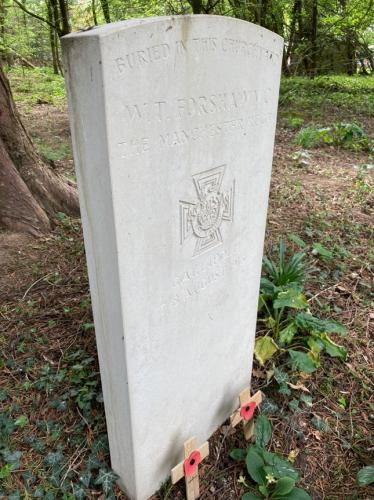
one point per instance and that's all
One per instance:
(111, 28)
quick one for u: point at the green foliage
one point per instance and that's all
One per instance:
(285, 271)
(344, 92)
(291, 328)
(262, 431)
(294, 122)
(265, 347)
(364, 184)
(365, 476)
(345, 135)
(74, 383)
(37, 86)
(56, 153)
(274, 476)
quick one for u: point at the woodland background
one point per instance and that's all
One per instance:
(314, 356)
(321, 36)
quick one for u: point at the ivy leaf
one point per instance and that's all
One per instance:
(281, 376)
(262, 431)
(294, 405)
(310, 323)
(283, 486)
(290, 298)
(79, 492)
(35, 443)
(265, 348)
(93, 462)
(238, 454)
(28, 478)
(269, 407)
(100, 444)
(106, 478)
(301, 361)
(55, 477)
(284, 389)
(12, 458)
(6, 425)
(365, 476)
(53, 459)
(86, 477)
(320, 424)
(255, 466)
(308, 400)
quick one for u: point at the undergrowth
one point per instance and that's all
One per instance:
(36, 86)
(346, 92)
(345, 135)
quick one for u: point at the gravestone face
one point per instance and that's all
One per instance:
(173, 125)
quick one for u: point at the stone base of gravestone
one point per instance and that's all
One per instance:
(173, 125)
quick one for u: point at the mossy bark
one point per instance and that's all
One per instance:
(30, 191)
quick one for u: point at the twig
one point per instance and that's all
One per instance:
(35, 282)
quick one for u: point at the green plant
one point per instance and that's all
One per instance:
(346, 135)
(284, 310)
(308, 137)
(294, 122)
(275, 477)
(57, 152)
(363, 183)
(365, 476)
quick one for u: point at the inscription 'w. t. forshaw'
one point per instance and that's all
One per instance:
(203, 217)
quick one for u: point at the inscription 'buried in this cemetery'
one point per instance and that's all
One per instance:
(173, 125)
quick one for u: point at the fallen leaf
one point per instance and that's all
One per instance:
(298, 387)
(292, 455)
(317, 435)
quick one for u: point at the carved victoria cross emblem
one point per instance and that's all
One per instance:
(204, 216)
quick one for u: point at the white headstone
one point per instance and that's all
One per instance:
(173, 122)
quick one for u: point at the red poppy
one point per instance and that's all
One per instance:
(191, 463)
(247, 410)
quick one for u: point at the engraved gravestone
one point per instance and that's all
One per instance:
(173, 122)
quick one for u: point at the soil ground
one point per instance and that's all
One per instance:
(48, 369)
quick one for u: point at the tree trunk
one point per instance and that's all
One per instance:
(52, 39)
(288, 52)
(30, 191)
(313, 39)
(105, 7)
(93, 5)
(65, 20)
(351, 53)
(197, 6)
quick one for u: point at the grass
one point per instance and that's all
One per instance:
(57, 152)
(52, 422)
(36, 86)
(345, 92)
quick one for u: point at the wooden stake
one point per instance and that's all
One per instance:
(245, 398)
(192, 481)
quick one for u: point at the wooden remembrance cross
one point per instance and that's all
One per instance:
(189, 468)
(244, 413)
